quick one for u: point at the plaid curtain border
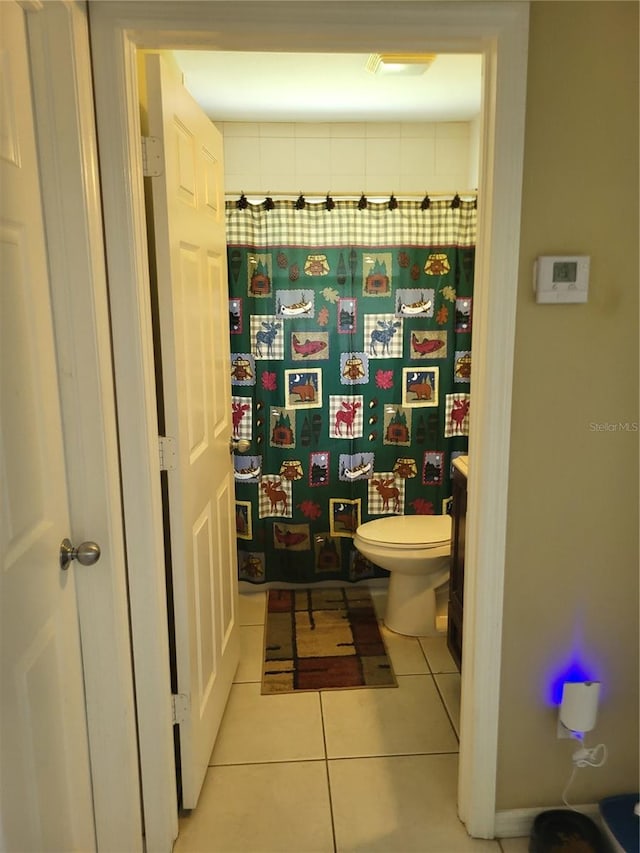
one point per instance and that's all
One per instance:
(346, 225)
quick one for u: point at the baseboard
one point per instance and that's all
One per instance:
(517, 823)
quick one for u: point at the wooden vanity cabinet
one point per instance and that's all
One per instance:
(456, 577)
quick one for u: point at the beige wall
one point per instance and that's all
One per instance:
(282, 157)
(572, 541)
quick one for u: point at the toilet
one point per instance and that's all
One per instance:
(416, 550)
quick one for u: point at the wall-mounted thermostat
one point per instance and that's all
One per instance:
(562, 278)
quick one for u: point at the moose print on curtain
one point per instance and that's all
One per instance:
(350, 369)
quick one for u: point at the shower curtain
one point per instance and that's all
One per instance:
(350, 332)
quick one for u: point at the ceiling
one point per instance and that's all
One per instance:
(316, 87)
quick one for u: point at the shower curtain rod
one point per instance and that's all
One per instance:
(370, 196)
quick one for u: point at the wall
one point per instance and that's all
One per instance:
(347, 158)
(475, 131)
(572, 543)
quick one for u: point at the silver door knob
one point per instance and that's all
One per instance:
(238, 445)
(86, 554)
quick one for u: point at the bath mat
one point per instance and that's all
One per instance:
(323, 639)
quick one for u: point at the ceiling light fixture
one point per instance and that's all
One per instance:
(407, 64)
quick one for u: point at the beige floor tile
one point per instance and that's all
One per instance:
(406, 653)
(449, 687)
(514, 845)
(438, 655)
(252, 607)
(399, 804)
(406, 720)
(261, 808)
(251, 650)
(256, 728)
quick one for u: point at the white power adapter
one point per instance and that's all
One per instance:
(579, 706)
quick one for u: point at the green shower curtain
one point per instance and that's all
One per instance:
(350, 366)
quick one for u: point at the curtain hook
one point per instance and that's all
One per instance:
(329, 203)
(269, 203)
(393, 202)
(300, 202)
(455, 202)
(363, 202)
(242, 202)
(426, 202)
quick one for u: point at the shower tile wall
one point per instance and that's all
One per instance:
(350, 157)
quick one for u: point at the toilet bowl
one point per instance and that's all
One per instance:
(416, 550)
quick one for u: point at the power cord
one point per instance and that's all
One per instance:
(584, 757)
(587, 757)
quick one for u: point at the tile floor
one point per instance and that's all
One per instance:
(336, 771)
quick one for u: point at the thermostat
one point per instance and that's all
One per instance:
(563, 278)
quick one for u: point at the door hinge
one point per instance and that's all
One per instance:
(167, 451)
(180, 707)
(152, 165)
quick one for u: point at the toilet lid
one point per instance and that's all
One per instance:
(407, 531)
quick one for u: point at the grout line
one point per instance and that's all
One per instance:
(326, 767)
(268, 763)
(390, 755)
(425, 656)
(327, 759)
(444, 705)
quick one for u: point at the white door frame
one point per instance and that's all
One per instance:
(499, 31)
(64, 116)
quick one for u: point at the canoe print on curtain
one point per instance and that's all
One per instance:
(350, 369)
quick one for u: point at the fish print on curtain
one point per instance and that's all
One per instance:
(350, 370)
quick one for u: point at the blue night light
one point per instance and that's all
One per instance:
(575, 670)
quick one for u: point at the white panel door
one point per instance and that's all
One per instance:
(45, 792)
(190, 257)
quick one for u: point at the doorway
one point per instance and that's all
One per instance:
(409, 214)
(497, 32)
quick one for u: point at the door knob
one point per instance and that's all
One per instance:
(238, 445)
(86, 554)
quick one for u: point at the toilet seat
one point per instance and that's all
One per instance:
(407, 532)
